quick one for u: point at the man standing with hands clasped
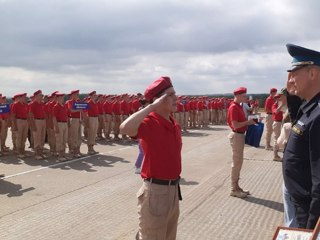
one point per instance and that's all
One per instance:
(301, 160)
(160, 137)
(238, 124)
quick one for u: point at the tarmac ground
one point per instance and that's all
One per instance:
(94, 197)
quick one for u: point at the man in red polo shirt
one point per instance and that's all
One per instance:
(92, 122)
(238, 123)
(60, 123)
(268, 111)
(160, 137)
(20, 122)
(277, 116)
(74, 130)
(38, 124)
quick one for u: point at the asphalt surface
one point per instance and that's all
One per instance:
(94, 197)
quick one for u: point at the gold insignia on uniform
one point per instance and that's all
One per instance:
(297, 130)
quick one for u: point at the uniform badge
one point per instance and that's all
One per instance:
(300, 123)
(297, 130)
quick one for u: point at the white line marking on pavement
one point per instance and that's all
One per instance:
(61, 163)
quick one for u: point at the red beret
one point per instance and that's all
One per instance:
(59, 94)
(37, 92)
(92, 93)
(54, 93)
(157, 87)
(273, 90)
(74, 91)
(240, 90)
(4, 97)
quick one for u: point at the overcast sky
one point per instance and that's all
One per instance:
(205, 46)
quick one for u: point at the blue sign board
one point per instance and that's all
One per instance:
(4, 108)
(80, 106)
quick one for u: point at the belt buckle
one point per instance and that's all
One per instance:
(170, 182)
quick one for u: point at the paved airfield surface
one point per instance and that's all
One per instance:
(93, 197)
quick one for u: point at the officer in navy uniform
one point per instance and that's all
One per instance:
(301, 161)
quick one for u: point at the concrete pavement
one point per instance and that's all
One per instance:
(94, 197)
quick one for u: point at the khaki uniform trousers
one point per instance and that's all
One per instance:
(185, 121)
(116, 125)
(200, 118)
(237, 141)
(51, 136)
(74, 135)
(21, 135)
(100, 125)
(158, 209)
(107, 125)
(276, 126)
(3, 133)
(39, 135)
(206, 117)
(269, 123)
(92, 130)
(62, 138)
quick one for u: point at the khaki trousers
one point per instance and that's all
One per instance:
(39, 135)
(237, 144)
(74, 134)
(200, 118)
(276, 126)
(158, 209)
(116, 125)
(185, 121)
(92, 130)
(21, 135)
(3, 133)
(100, 125)
(108, 125)
(62, 137)
(269, 123)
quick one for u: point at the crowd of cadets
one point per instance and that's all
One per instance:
(53, 120)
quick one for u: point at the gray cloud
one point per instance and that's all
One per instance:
(205, 46)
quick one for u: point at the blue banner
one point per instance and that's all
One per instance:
(80, 106)
(4, 108)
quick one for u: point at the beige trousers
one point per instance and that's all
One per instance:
(237, 144)
(269, 123)
(92, 130)
(62, 137)
(39, 135)
(21, 135)
(107, 125)
(3, 132)
(276, 126)
(74, 134)
(158, 209)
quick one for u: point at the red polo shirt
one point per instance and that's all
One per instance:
(268, 105)
(116, 108)
(60, 112)
(276, 116)
(161, 143)
(236, 113)
(38, 110)
(125, 107)
(136, 105)
(69, 105)
(20, 110)
(93, 110)
(107, 106)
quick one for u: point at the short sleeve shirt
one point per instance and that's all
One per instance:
(162, 144)
(268, 105)
(236, 113)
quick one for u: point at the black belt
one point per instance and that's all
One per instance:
(22, 118)
(238, 132)
(163, 182)
(39, 118)
(93, 116)
(75, 117)
(269, 113)
(62, 121)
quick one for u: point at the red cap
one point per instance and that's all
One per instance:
(37, 92)
(240, 90)
(157, 87)
(273, 90)
(92, 93)
(74, 91)
(59, 94)
(3, 97)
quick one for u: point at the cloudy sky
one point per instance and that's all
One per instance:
(205, 46)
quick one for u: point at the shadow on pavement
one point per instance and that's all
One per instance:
(194, 134)
(185, 182)
(267, 203)
(11, 189)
